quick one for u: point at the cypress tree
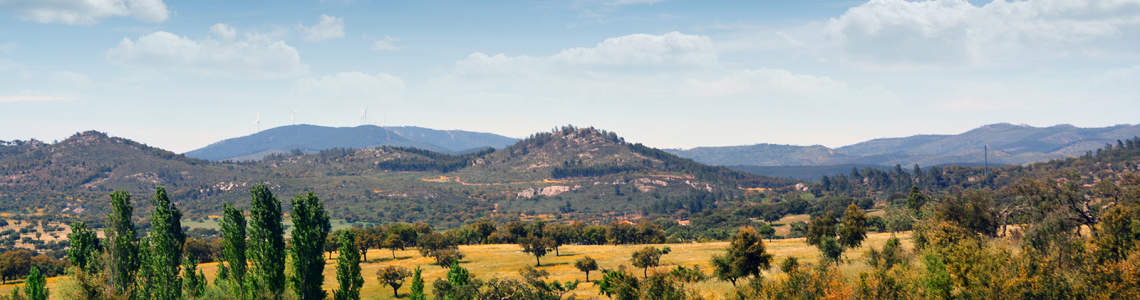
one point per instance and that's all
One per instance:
(417, 292)
(266, 242)
(122, 243)
(348, 269)
(234, 249)
(310, 227)
(166, 241)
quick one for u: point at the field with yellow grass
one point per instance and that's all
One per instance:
(503, 261)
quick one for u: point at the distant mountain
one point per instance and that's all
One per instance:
(457, 141)
(311, 139)
(1009, 144)
(573, 170)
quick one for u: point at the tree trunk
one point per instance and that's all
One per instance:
(537, 263)
(393, 253)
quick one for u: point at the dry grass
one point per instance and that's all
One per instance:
(488, 261)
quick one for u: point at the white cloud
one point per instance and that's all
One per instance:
(86, 12)
(349, 86)
(257, 55)
(957, 32)
(634, 52)
(386, 44)
(329, 27)
(224, 31)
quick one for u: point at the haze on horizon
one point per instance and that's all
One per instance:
(672, 74)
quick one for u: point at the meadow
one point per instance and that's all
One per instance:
(504, 261)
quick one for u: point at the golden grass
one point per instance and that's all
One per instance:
(504, 261)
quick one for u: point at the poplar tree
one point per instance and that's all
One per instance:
(194, 282)
(166, 241)
(417, 292)
(348, 268)
(85, 248)
(234, 249)
(35, 287)
(266, 242)
(310, 227)
(122, 243)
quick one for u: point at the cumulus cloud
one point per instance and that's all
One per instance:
(223, 31)
(673, 50)
(256, 55)
(86, 12)
(956, 32)
(386, 44)
(330, 27)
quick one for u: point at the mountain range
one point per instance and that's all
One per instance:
(312, 138)
(1007, 144)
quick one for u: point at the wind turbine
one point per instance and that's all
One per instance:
(364, 116)
(258, 122)
(293, 116)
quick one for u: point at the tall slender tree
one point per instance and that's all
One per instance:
(35, 287)
(85, 248)
(234, 248)
(310, 227)
(122, 243)
(194, 282)
(166, 241)
(348, 269)
(266, 242)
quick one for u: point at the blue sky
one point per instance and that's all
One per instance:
(677, 74)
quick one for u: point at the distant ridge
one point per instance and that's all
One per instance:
(312, 138)
(1009, 144)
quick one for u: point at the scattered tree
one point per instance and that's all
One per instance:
(586, 264)
(394, 277)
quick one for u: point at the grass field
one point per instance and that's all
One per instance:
(488, 261)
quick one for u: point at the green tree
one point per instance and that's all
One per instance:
(767, 231)
(122, 243)
(234, 249)
(35, 287)
(830, 248)
(457, 286)
(193, 281)
(854, 229)
(85, 247)
(166, 241)
(417, 292)
(266, 242)
(348, 269)
(646, 258)
(484, 228)
(820, 227)
(746, 256)
(537, 246)
(915, 199)
(394, 277)
(586, 264)
(393, 242)
(310, 227)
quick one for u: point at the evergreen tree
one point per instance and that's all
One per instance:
(310, 227)
(266, 242)
(35, 287)
(234, 249)
(348, 269)
(915, 199)
(85, 248)
(745, 256)
(122, 243)
(166, 241)
(417, 292)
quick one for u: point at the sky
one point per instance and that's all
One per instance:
(180, 75)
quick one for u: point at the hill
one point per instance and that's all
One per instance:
(1009, 145)
(582, 171)
(311, 138)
